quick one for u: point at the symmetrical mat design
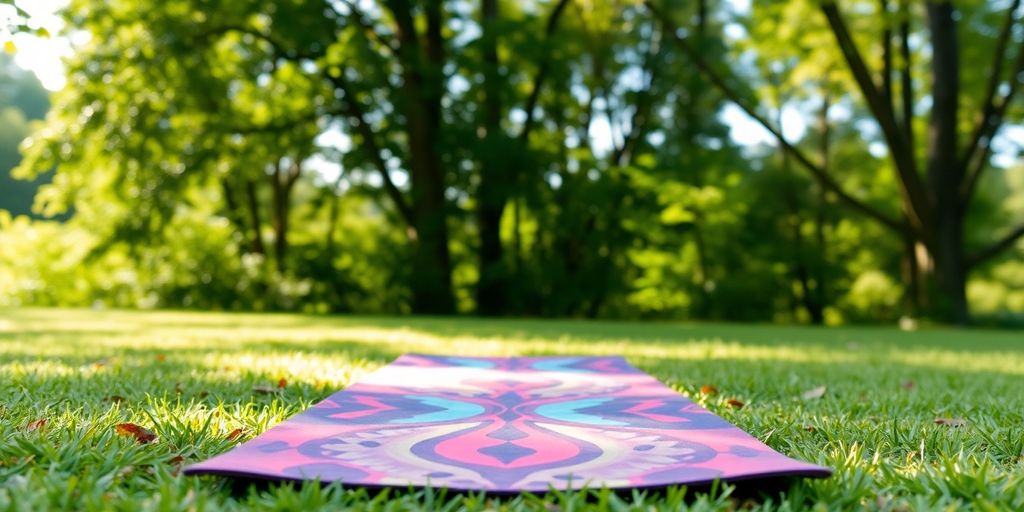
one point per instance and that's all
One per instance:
(506, 425)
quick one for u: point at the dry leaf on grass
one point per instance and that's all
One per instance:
(281, 384)
(810, 428)
(708, 389)
(235, 433)
(734, 403)
(951, 422)
(812, 394)
(177, 459)
(36, 425)
(14, 461)
(142, 435)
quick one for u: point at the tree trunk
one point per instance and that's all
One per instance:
(422, 89)
(944, 235)
(254, 218)
(332, 219)
(431, 266)
(949, 289)
(282, 184)
(235, 215)
(492, 286)
(911, 277)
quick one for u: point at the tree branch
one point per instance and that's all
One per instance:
(408, 40)
(977, 165)
(542, 71)
(997, 247)
(994, 77)
(819, 174)
(354, 110)
(883, 6)
(912, 187)
(906, 79)
(977, 152)
(643, 104)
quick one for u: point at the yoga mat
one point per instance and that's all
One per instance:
(506, 425)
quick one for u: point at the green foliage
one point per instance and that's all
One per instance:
(22, 100)
(50, 263)
(189, 377)
(312, 156)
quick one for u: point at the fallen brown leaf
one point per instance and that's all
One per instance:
(235, 433)
(281, 384)
(812, 394)
(14, 461)
(734, 403)
(708, 389)
(177, 459)
(36, 425)
(142, 435)
(810, 428)
(951, 422)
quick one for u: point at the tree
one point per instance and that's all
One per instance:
(501, 153)
(934, 203)
(553, 158)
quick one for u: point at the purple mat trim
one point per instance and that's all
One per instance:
(506, 425)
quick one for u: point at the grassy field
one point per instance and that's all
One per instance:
(68, 377)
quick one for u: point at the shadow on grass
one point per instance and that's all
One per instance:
(754, 490)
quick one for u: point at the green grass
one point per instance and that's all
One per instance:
(190, 378)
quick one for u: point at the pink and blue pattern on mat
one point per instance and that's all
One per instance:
(506, 425)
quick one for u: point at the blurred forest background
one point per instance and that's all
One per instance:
(788, 161)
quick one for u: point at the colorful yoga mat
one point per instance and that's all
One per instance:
(506, 425)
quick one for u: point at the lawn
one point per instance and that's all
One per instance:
(204, 382)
